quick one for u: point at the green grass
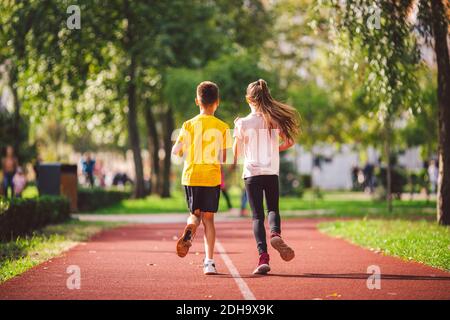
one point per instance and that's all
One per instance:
(30, 191)
(337, 204)
(332, 204)
(18, 256)
(418, 240)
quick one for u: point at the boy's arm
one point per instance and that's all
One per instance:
(227, 144)
(286, 144)
(177, 149)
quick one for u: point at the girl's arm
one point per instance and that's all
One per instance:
(287, 143)
(237, 143)
(236, 151)
(224, 155)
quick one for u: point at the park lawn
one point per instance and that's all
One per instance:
(332, 204)
(419, 240)
(24, 253)
(335, 204)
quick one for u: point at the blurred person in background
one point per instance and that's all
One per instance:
(88, 165)
(36, 165)
(99, 172)
(368, 172)
(433, 174)
(244, 201)
(121, 179)
(355, 183)
(20, 182)
(224, 190)
(9, 167)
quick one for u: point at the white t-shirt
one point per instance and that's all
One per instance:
(260, 146)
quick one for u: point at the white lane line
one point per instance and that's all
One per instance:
(243, 287)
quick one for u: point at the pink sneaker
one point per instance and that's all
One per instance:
(263, 264)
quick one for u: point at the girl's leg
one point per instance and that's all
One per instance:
(255, 199)
(210, 233)
(272, 197)
(272, 193)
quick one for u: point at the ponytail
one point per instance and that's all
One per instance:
(276, 114)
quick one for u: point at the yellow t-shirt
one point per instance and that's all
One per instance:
(203, 137)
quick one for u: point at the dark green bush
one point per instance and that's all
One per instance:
(306, 181)
(96, 198)
(290, 180)
(23, 216)
(418, 181)
(399, 180)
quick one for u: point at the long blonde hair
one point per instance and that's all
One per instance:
(276, 114)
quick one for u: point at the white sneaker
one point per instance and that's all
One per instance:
(209, 267)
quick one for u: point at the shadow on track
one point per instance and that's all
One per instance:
(345, 276)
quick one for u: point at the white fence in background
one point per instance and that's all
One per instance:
(335, 172)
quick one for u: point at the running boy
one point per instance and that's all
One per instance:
(257, 136)
(203, 141)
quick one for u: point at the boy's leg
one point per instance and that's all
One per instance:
(210, 233)
(185, 241)
(195, 218)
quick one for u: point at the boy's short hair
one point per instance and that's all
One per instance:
(208, 93)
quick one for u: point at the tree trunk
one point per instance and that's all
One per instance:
(440, 30)
(133, 131)
(13, 78)
(169, 127)
(153, 139)
(387, 150)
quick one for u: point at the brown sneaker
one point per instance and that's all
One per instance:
(286, 252)
(185, 241)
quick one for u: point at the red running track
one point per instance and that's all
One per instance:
(139, 262)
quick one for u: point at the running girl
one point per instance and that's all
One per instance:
(257, 137)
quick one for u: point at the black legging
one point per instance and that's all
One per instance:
(257, 187)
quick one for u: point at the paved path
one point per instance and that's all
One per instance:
(138, 262)
(181, 217)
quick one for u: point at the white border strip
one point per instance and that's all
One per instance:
(243, 287)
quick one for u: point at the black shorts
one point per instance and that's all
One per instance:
(205, 199)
